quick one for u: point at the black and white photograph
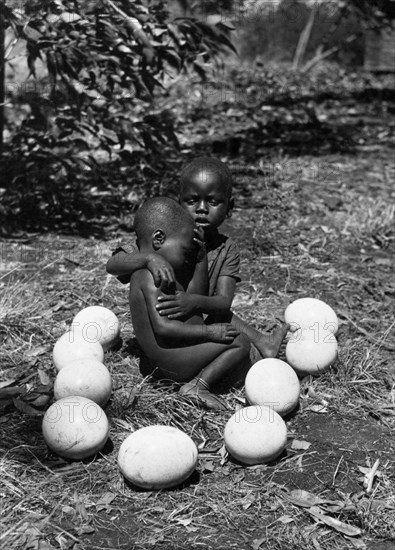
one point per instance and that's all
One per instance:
(197, 274)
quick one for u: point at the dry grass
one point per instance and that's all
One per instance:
(371, 218)
(52, 503)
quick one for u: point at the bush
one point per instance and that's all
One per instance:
(105, 62)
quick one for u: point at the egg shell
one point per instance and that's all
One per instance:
(85, 377)
(310, 353)
(307, 313)
(274, 383)
(157, 457)
(97, 324)
(71, 346)
(75, 427)
(255, 435)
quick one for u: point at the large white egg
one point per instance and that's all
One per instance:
(71, 346)
(274, 383)
(307, 313)
(311, 352)
(97, 324)
(157, 457)
(75, 427)
(255, 435)
(85, 377)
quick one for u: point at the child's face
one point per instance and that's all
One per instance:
(180, 249)
(206, 198)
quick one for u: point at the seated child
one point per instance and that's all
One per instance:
(206, 194)
(186, 349)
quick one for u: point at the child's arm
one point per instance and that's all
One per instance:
(123, 265)
(182, 332)
(181, 304)
(186, 304)
(199, 283)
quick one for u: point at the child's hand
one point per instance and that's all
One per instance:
(222, 333)
(176, 305)
(199, 240)
(161, 270)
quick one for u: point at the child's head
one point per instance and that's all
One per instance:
(206, 192)
(163, 226)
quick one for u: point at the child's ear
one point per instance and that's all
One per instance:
(230, 207)
(158, 238)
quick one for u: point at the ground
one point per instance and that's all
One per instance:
(315, 224)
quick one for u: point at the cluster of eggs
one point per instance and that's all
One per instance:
(76, 426)
(258, 434)
(160, 457)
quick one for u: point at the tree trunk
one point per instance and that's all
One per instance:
(304, 39)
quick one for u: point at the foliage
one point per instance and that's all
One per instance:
(99, 92)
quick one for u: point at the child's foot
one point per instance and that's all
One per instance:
(268, 345)
(197, 391)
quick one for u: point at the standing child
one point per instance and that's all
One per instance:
(206, 194)
(188, 350)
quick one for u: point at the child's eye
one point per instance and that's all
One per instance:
(214, 202)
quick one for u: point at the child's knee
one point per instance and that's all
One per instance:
(244, 343)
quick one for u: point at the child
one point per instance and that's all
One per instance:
(189, 349)
(206, 193)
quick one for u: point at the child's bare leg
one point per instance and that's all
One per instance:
(234, 361)
(267, 344)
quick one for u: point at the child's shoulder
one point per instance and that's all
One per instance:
(226, 243)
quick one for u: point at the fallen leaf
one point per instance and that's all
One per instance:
(321, 409)
(285, 519)
(35, 352)
(387, 262)
(258, 467)
(185, 522)
(248, 501)
(340, 526)
(207, 465)
(31, 535)
(41, 401)
(68, 509)
(332, 506)
(60, 305)
(366, 470)
(104, 501)
(6, 393)
(357, 543)
(44, 378)
(299, 445)
(81, 509)
(299, 497)
(86, 530)
(6, 383)
(256, 543)
(25, 408)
